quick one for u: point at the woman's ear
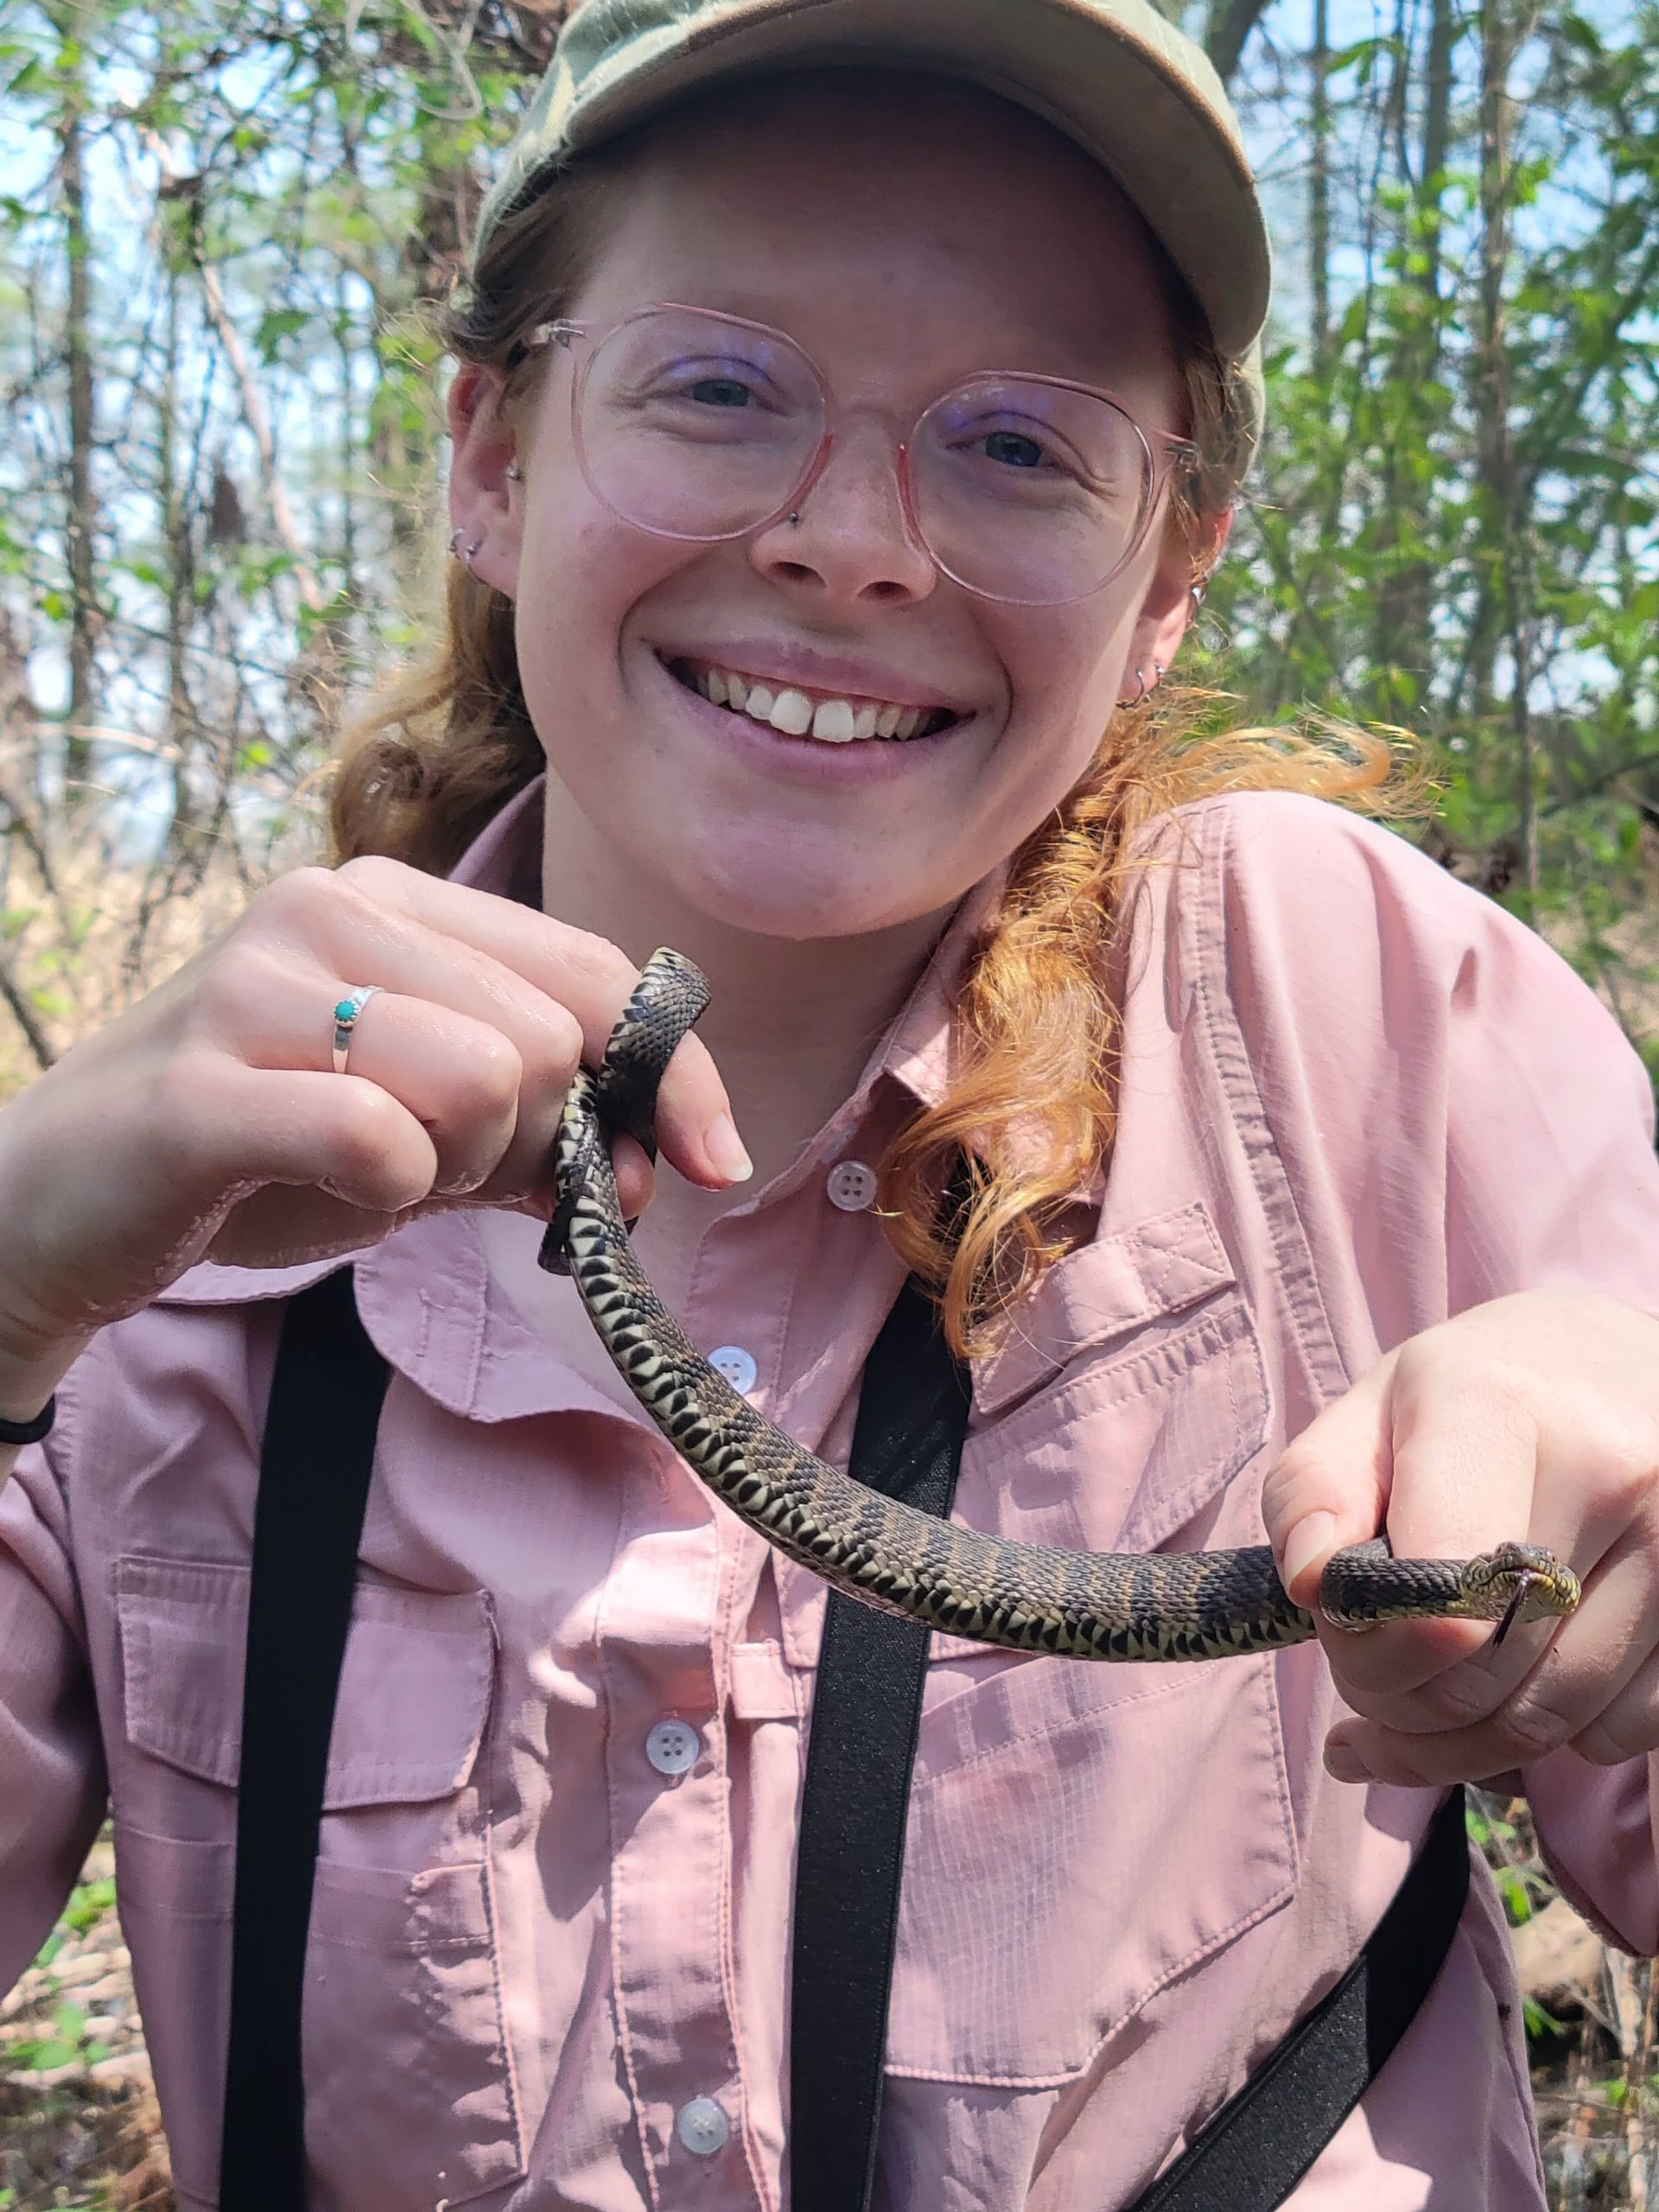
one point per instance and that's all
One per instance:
(1171, 604)
(485, 505)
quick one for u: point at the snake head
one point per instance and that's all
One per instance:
(1519, 1582)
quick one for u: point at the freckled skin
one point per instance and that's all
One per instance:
(906, 241)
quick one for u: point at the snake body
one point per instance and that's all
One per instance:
(1024, 1597)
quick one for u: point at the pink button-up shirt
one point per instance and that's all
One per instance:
(1356, 1098)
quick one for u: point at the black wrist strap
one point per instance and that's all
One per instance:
(912, 1415)
(31, 1431)
(308, 1525)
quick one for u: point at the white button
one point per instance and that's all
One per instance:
(851, 1185)
(736, 1365)
(672, 1747)
(702, 2127)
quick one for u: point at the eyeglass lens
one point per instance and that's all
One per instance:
(695, 427)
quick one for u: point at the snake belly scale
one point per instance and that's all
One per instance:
(1023, 1597)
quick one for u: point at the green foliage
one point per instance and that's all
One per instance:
(1454, 524)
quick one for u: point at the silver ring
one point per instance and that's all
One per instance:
(345, 1013)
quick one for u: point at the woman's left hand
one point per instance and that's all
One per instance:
(1534, 1419)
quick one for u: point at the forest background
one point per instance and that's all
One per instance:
(223, 224)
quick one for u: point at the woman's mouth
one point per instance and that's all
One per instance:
(830, 718)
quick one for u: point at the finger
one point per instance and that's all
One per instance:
(1331, 1486)
(383, 911)
(229, 1127)
(460, 1078)
(1627, 1727)
(1465, 1461)
(1457, 1728)
(1567, 1695)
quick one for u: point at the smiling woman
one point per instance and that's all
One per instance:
(851, 400)
(935, 232)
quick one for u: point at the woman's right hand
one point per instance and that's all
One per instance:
(208, 1122)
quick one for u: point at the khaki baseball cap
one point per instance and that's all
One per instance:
(1129, 87)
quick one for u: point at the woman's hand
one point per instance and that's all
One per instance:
(209, 1121)
(1535, 1419)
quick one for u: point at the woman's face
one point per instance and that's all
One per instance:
(906, 235)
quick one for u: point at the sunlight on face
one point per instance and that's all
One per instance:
(907, 234)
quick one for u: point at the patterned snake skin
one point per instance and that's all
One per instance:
(1085, 1604)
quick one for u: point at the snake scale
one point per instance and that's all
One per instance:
(1025, 1597)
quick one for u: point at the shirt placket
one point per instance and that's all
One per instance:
(675, 1604)
(666, 1631)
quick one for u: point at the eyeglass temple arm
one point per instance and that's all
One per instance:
(559, 333)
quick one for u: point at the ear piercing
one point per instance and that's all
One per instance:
(515, 471)
(1143, 689)
(455, 537)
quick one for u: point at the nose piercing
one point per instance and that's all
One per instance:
(794, 515)
(515, 471)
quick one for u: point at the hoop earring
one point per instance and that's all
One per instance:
(455, 545)
(1140, 688)
(467, 556)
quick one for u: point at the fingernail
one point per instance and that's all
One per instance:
(725, 1149)
(1307, 1542)
(1344, 1762)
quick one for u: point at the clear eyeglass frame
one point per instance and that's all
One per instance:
(1166, 455)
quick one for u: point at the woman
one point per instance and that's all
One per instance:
(1284, 1139)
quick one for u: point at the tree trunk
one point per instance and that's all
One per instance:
(80, 515)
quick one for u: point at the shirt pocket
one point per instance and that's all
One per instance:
(409, 2094)
(1084, 1833)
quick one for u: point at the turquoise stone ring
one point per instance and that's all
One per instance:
(345, 1013)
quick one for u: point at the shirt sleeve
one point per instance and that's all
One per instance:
(1459, 1117)
(52, 1778)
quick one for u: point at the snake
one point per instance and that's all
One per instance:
(884, 1553)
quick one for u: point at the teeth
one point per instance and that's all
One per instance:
(834, 722)
(791, 713)
(831, 721)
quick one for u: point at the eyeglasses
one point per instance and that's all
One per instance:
(705, 427)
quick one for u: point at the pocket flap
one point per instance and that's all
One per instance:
(1102, 1291)
(414, 1689)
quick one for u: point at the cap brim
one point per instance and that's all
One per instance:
(1141, 110)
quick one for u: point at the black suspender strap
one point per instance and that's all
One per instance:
(1252, 2152)
(307, 1524)
(314, 1481)
(866, 1709)
(912, 1414)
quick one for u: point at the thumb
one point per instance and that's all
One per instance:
(1331, 1486)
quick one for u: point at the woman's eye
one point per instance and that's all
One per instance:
(720, 392)
(1013, 450)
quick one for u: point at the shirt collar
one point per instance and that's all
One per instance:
(426, 1294)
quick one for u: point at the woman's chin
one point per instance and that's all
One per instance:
(774, 895)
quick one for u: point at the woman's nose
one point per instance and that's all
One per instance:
(848, 535)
